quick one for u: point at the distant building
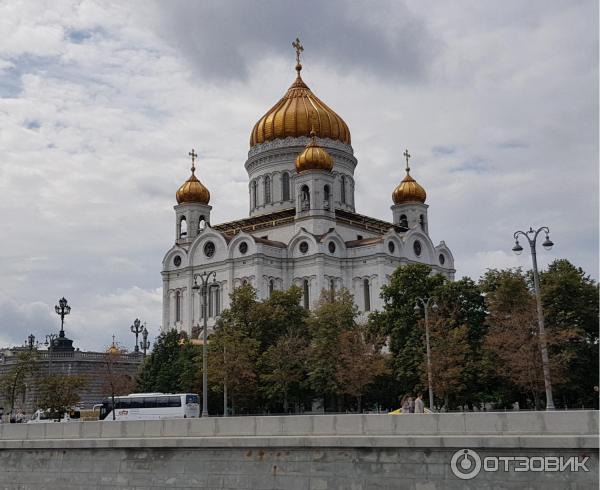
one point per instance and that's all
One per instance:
(63, 359)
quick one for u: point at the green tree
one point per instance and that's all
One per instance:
(278, 315)
(59, 393)
(360, 363)
(283, 369)
(513, 336)
(398, 322)
(162, 369)
(329, 319)
(570, 302)
(232, 365)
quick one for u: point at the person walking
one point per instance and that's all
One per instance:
(419, 405)
(411, 404)
(405, 404)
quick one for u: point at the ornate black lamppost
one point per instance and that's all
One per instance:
(62, 309)
(531, 237)
(204, 277)
(145, 341)
(31, 341)
(136, 328)
(426, 302)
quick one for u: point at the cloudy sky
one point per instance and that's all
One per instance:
(100, 103)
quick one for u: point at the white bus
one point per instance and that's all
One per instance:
(149, 406)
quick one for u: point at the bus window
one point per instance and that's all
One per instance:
(162, 401)
(192, 399)
(137, 402)
(174, 401)
(150, 402)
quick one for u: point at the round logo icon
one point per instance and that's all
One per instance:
(465, 464)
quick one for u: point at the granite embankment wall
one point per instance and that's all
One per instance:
(307, 452)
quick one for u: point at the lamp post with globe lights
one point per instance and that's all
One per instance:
(204, 277)
(426, 303)
(137, 329)
(531, 237)
(62, 309)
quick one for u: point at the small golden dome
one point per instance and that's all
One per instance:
(192, 190)
(409, 189)
(314, 157)
(295, 113)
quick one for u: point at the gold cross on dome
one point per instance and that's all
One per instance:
(299, 48)
(407, 156)
(113, 337)
(194, 155)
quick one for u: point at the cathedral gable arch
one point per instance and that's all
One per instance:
(176, 250)
(426, 247)
(201, 252)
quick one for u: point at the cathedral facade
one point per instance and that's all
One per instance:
(302, 228)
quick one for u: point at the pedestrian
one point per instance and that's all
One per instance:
(19, 417)
(419, 405)
(405, 404)
(411, 404)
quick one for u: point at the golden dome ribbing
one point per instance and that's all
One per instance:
(294, 115)
(314, 157)
(409, 189)
(192, 190)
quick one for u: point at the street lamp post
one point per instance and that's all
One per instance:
(136, 328)
(145, 341)
(31, 341)
(426, 302)
(531, 236)
(50, 343)
(204, 277)
(62, 309)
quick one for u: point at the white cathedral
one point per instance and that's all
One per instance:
(302, 228)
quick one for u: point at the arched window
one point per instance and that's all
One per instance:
(210, 300)
(422, 222)
(178, 306)
(201, 223)
(403, 221)
(285, 187)
(304, 198)
(326, 196)
(267, 190)
(254, 194)
(367, 291)
(343, 189)
(182, 227)
(271, 287)
(332, 289)
(306, 292)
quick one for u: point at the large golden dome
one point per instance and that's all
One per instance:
(409, 189)
(296, 113)
(192, 190)
(314, 157)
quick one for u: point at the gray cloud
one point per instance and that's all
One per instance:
(223, 40)
(102, 110)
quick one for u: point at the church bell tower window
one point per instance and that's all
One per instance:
(343, 189)
(254, 194)
(182, 227)
(305, 198)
